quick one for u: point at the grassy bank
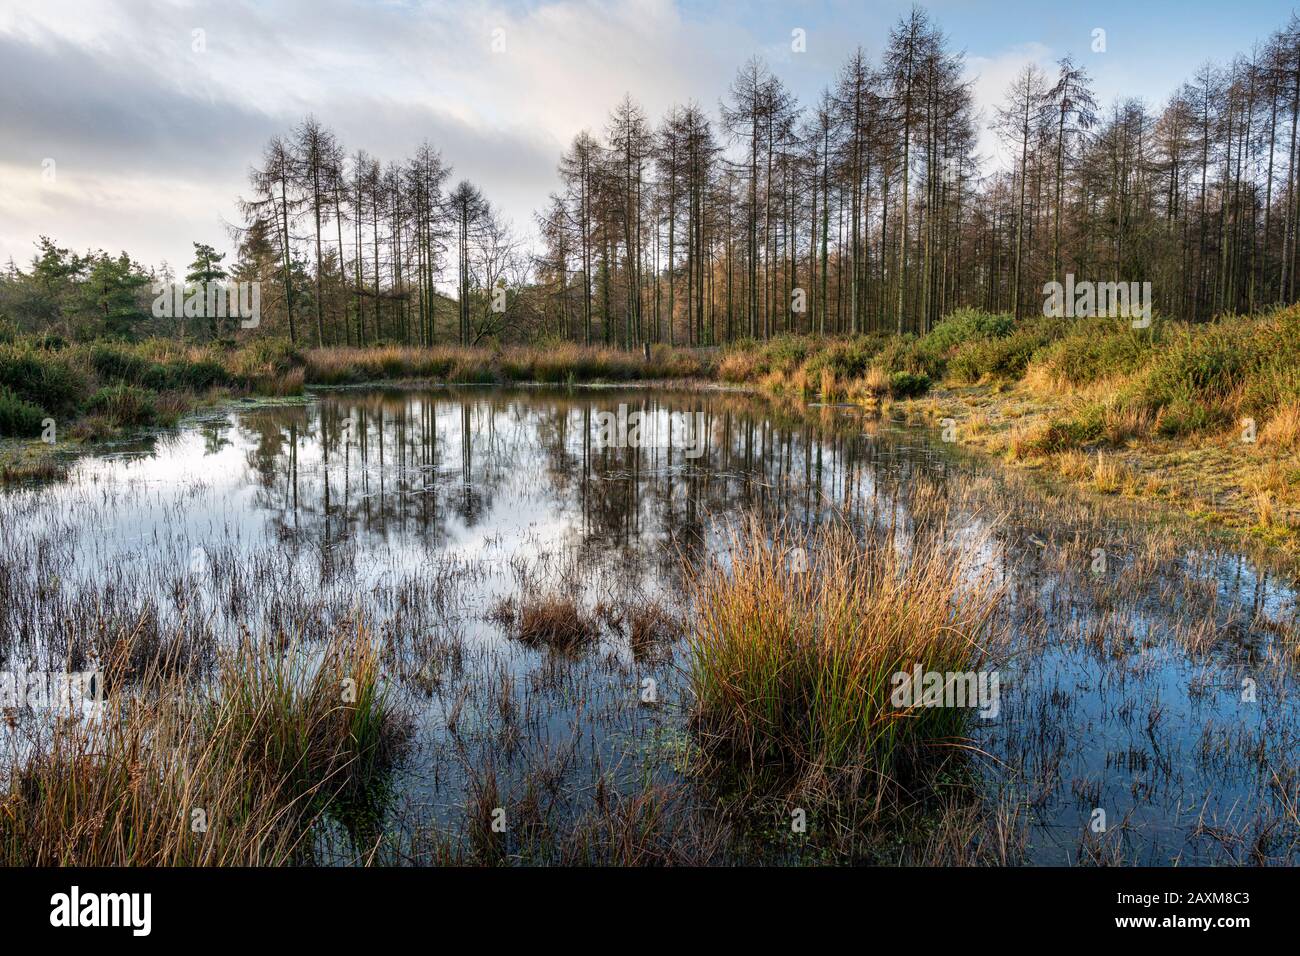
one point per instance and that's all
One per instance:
(557, 363)
(58, 391)
(1205, 417)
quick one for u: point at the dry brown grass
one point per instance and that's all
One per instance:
(876, 381)
(549, 620)
(651, 629)
(828, 386)
(557, 363)
(1073, 464)
(1126, 423)
(1108, 474)
(737, 366)
(1283, 429)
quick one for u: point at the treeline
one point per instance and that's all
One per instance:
(348, 251)
(869, 209)
(358, 248)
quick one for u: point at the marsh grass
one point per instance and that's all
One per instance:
(552, 364)
(23, 464)
(235, 774)
(95, 389)
(546, 619)
(792, 671)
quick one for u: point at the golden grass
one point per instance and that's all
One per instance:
(737, 366)
(1283, 429)
(1108, 475)
(175, 776)
(828, 385)
(792, 670)
(1073, 464)
(876, 381)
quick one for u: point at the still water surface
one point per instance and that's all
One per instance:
(1124, 687)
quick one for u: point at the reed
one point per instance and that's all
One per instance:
(237, 774)
(793, 670)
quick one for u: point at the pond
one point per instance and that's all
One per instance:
(1145, 672)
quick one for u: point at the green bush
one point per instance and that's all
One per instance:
(1210, 363)
(42, 378)
(18, 418)
(1186, 415)
(1084, 427)
(1004, 356)
(908, 385)
(1095, 349)
(124, 405)
(965, 332)
(906, 353)
(50, 342)
(847, 358)
(113, 363)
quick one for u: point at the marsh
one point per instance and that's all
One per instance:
(1156, 687)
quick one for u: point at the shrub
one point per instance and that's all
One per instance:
(1005, 356)
(42, 378)
(849, 358)
(1096, 349)
(124, 405)
(907, 385)
(1187, 415)
(19, 418)
(113, 363)
(1208, 363)
(50, 342)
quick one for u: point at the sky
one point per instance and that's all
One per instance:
(131, 124)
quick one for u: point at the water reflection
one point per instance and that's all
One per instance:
(421, 510)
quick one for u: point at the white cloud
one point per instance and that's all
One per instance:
(990, 79)
(154, 140)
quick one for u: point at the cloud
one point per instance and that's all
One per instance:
(990, 78)
(154, 126)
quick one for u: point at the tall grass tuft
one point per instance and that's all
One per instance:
(793, 670)
(235, 774)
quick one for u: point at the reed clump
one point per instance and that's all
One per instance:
(547, 619)
(236, 774)
(794, 670)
